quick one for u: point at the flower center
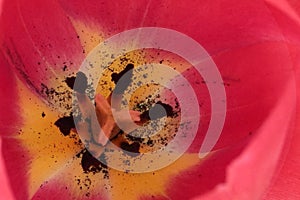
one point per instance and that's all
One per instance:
(146, 110)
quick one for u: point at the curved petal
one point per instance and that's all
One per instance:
(250, 174)
(247, 106)
(287, 179)
(287, 14)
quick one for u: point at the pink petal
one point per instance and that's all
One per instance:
(250, 174)
(5, 190)
(16, 162)
(286, 181)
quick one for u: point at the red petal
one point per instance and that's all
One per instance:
(38, 40)
(9, 107)
(250, 174)
(249, 98)
(286, 181)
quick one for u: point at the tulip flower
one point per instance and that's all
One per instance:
(60, 124)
